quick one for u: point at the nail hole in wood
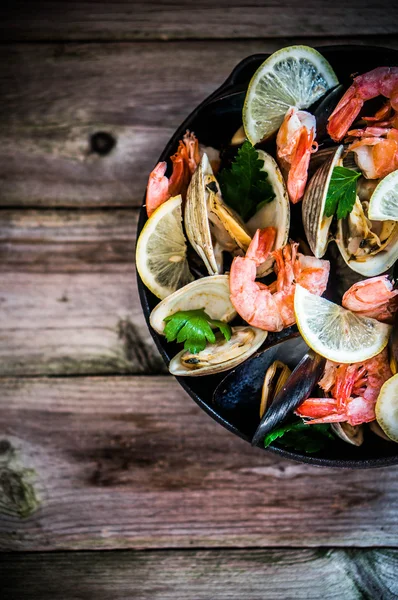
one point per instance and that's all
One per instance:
(102, 143)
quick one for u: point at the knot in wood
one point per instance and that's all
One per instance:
(102, 143)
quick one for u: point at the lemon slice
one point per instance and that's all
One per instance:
(383, 205)
(294, 76)
(161, 254)
(387, 408)
(336, 333)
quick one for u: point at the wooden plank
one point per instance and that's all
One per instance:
(55, 97)
(63, 20)
(201, 574)
(132, 462)
(68, 297)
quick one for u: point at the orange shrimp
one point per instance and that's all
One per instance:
(354, 390)
(184, 161)
(272, 307)
(381, 81)
(294, 146)
(374, 297)
(376, 151)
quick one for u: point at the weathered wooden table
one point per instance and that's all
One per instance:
(113, 483)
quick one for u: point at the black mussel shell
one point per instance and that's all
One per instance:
(297, 389)
(238, 396)
(322, 112)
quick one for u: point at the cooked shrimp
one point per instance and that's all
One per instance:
(374, 297)
(272, 307)
(381, 81)
(184, 161)
(376, 152)
(294, 146)
(354, 389)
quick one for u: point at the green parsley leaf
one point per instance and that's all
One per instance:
(301, 437)
(341, 192)
(194, 328)
(244, 186)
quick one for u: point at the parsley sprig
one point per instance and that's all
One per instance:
(341, 192)
(245, 186)
(194, 328)
(301, 437)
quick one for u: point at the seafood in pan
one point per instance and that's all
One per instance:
(309, 173)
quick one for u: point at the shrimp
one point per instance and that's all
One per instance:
(354, 390)
(374, 297)
(272, 307)
(295, 144)
(381, 81)
(376, 151)
(184, 161)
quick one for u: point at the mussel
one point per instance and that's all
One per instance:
(220, 356)
(210, 293)
(209, 220)
(238, 396)
(275, 378)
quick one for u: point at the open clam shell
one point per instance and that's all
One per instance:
(352, 434)
(273, 214)
(208, 219)
(372, 261)
(316, 224)
(211, 293)
(221, 356)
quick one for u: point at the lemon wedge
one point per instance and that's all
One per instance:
(293, 76)
(161, 253)
(383, 205)
(387, 408)
(336, 333)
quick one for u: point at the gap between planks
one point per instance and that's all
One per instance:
(273, 574)
(107, 463)
(55, 96)
(193, 19)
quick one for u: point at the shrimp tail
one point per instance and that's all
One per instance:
(261, 245)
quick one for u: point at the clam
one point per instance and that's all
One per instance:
(211, 293)
(273, 214)
(220, 356)
(377, 430)
(316, 224)
(209, 220)
(368, 247)
(352, 434)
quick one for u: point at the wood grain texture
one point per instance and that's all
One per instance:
(177, 575)
(132, 20)
(55, 96)
(68, 298)
(132, 462)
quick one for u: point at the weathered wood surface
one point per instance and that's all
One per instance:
(131, 20)
(58, 95)
(68, 296)
(203, 574)
(132, 462)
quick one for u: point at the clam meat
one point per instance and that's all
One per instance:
(209, 220)
(220, 356)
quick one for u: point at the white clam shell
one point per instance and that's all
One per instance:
(211, 293)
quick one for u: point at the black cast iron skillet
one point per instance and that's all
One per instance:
(214, 121)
